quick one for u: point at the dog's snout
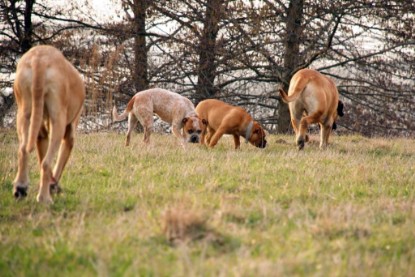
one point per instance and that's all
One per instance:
(194, 139)
(262, 144)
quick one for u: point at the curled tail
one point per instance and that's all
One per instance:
(297, 85)
(37, 90)
(119, 117)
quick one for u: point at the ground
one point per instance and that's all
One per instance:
(160, 210)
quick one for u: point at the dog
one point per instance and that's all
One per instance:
(314, 95)
(223, 118)
(171, 107)
(50, 93)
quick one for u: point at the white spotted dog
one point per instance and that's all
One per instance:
(171, 107)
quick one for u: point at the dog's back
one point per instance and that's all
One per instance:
(43, 75)
(216, 107)
(314, 93)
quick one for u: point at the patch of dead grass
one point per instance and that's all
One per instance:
(183, 225)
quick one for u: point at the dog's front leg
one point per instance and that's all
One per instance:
(203, 137)
(237, 141)
(215, 137)
(179, 136)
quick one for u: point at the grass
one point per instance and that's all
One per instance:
(164, 211)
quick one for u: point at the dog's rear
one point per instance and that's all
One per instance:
(49, 94)
(296, 88)
(316, 96)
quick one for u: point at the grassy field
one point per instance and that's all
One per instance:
(164, 211)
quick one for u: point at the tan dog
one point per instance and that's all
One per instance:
(315, 95)
(223, 119)
(49, 94)
(171, 107)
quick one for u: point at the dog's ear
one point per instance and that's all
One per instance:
(205, 122)
(340, 107)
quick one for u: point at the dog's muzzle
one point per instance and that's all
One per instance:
(262, 144)
(194, 139)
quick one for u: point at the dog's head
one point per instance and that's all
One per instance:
(193, 127)
(257, 137)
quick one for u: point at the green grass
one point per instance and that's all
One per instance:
(345, 211)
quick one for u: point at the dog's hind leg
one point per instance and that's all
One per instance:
(57, 131)
(65, 150)
(324, 135)
(296, 115)
(147, 121)
(147, 133)
(296, 126)
(132, 123)
(302, 136)
(21, 182)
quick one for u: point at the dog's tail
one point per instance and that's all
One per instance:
(296, 88)
(119, 117)
(37, 89)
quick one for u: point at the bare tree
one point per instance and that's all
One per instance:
(138, 20)
(206, 72)
(243, 51)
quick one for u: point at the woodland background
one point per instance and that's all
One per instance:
(238, 51)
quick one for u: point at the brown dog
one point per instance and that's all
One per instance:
(171, 107)
(49, 93)
(315, 95)
(223, 119)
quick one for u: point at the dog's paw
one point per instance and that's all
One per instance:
(300, 143)
(20, 192)
(55, 188)
(46, 199)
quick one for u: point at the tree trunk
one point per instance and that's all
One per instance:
(140, 75)
(206, 71)
(26, 41)
(291, 57)
(23, 30)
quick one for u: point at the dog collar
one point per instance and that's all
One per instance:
(248, 131)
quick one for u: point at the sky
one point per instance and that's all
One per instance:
(103, 7)
(100, 10)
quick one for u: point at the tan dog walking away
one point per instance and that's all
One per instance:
(223, 118)
(49, 93)
(315, 95)
(171, 107)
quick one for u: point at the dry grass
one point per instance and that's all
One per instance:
(162, 210)
(181, 224)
